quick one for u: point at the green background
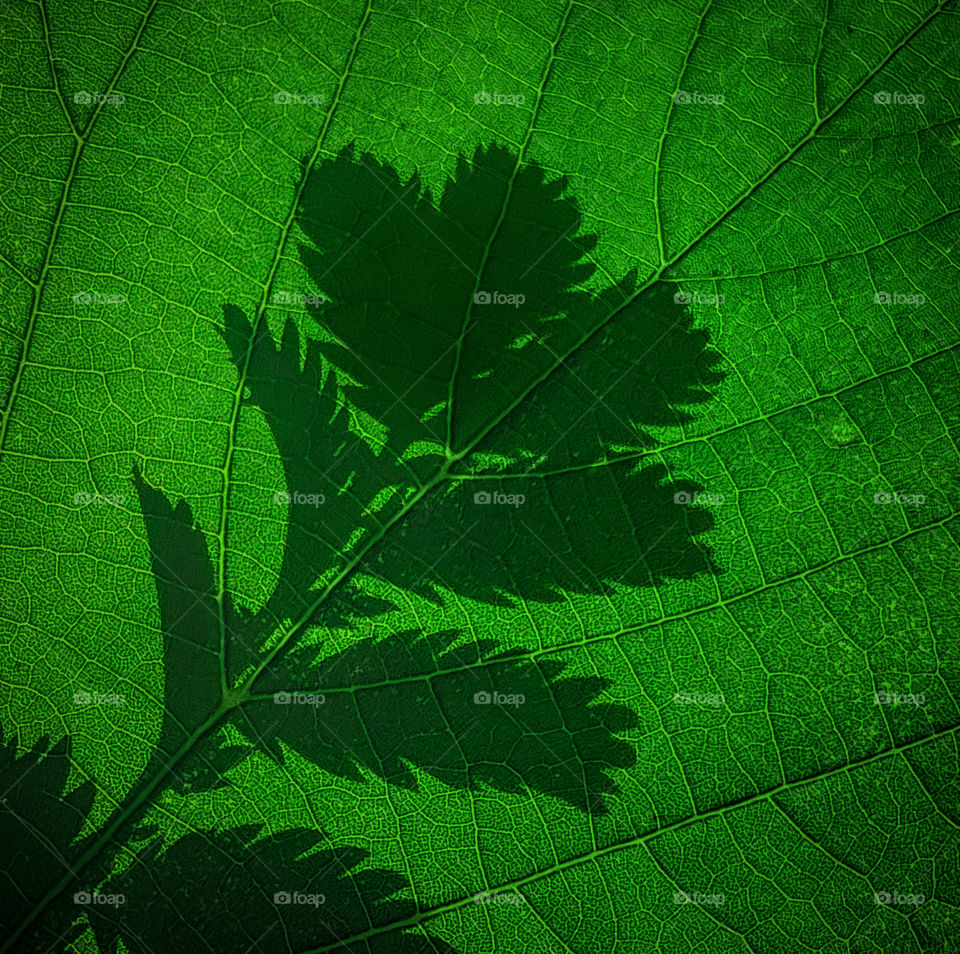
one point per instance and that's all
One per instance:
(798, 199)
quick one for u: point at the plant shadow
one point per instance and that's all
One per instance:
(229, 890)
(409, 365)
(564, 493)
(461, 712)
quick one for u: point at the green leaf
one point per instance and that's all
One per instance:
(496, 465)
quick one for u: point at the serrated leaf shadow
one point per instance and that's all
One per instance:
(460, 711)
(238, 890)
(402, 333)
(398, 327)
(39, 825)
(235, 889)
(421, 333)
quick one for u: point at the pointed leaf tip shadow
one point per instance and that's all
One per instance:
(189, 616)
(415, 700)
(190, 626)
(245, 893)
(647, 367)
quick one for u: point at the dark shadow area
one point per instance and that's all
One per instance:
(38, 827)
(579, 532)
(220, 891)
(469, 716)
(189, 618)
(408, 699)
(236, 891)
(401, 272)
(406, 325)
(419, 293)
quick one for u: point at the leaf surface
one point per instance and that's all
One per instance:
(245, 267)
